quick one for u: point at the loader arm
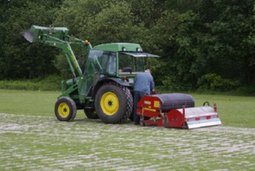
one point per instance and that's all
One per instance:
(66, 49)
(58, 37)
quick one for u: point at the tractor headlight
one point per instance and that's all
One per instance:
(139, 49)
(124, 49)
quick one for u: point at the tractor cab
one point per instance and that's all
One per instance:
(120, 60)
(131, 63)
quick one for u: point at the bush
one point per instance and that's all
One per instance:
(52, 82)
(170, 83)
(246, 90)
(213, 81)
(49, 83)
(19, 84)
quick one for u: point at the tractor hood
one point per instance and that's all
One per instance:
(140, 54)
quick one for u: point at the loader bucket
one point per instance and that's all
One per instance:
(37, 33)
(194, 117)
(28, 36)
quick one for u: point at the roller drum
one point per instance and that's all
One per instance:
(175, 101)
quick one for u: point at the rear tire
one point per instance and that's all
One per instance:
(91, 113)
(65, 109)
(113, 103)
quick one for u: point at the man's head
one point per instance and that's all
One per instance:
(148, 71)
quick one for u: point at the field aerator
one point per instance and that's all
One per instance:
(176, 111)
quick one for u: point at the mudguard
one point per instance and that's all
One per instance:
(103, 80)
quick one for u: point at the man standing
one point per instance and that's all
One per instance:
(143, 85)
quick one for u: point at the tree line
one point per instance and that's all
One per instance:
(206, 44)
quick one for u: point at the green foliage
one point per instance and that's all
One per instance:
(18, 60)
(245, 90)
(176, 38)
(114, 24)
(148, 12)
(193, 43)
(62, 66)
(169, 83)
(192, 37)
(227, 27)
(213, 81)
(49, 83)
(18, 85)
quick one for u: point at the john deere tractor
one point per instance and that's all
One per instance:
(103, 88)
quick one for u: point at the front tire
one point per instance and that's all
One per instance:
(113, 103)
(65, 109)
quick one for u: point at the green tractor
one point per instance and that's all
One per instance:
(103, 88)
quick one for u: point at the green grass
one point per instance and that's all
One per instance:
(236, 111)
(233, 110)
(27, 102)
(32, 139)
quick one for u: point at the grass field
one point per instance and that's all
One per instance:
(238, 111)
(32, 139)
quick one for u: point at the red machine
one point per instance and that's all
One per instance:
(175, 111)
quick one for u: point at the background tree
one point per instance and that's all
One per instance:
(201, 43)
(226, 38)
(18, 60)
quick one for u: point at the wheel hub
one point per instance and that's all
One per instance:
(109, 103)
(63, 110)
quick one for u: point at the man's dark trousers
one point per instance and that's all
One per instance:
(137, 96)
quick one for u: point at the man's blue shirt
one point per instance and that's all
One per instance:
(144, 82)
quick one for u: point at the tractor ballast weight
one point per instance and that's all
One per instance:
(102, 89)
(175, 111)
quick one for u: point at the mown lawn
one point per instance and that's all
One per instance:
(32, 139)
(27, 102)
(236, 111)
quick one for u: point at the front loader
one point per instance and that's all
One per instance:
(103, 89)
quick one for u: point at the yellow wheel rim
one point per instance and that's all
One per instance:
(63, 110)
(109, 103)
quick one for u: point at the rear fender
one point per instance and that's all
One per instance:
(103, 81)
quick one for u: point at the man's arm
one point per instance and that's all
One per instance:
(152, 85)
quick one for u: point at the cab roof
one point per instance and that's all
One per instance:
(119, 47)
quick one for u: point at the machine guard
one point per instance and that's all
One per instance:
(195, 117)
